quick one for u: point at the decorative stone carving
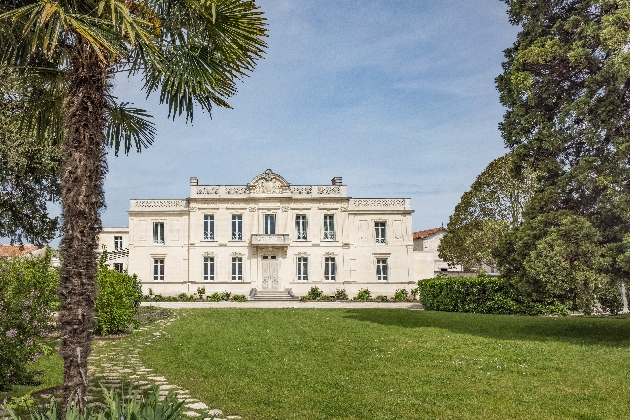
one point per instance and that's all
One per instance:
(153, 204)
(268, 183)
(344, 207)
(236, 190)
(207, 190)
(328, 190)
(302, 189)
(379, 202)
(330, 254)
(285, 208)
(253, 209)
(208, 254)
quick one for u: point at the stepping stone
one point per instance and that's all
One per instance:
(167, 386)
(157, 378)
(192, 414)
(106, 364)
(234, 417)
(215, 412)
(197, 406)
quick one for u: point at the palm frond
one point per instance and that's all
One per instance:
(127, 126)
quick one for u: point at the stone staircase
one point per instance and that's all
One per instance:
(272, 295)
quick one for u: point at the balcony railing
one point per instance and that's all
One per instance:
(281, 239)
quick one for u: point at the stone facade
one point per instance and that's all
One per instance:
(267, 235)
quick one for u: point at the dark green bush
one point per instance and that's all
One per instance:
(239, 298)
(315, 293)
(28, 297)
(382, 298)
(341, 294)
(480, 295)
(364, 294)
(609, 297)
(118, 300)
(401, 295)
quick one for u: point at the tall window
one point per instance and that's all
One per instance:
(208, 227)
(237, 268)
(329, 227)
(329, 269)
(208, 268)
(270, 224)
(381, 269)
(158, 233)
(300, 227)
(118, 267)
(379, 227)
(158, 269)
(237, 227)
(118, 246)
(302, 269)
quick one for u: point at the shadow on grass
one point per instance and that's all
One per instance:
(611, 332)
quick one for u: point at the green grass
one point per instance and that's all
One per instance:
(51, 368)
(397, 364)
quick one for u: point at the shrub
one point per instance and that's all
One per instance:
(481, 295)
(401, 295)
(215, 297)
(28, 296)
(226, 296)
(118, 300)
(415, 293)
(239, 298)
(382, 298)
(364, 294)
(609, 297)
(314, 294)
(341, 294)
(201, 291)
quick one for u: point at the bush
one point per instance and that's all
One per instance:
(218, 297)
(364, 294)
(28, 296)
(239, 298)
(401, 295)
(314, 294)
(118, 300)
(480, 295)
(382, 298)
(609, 297)
(341, 294)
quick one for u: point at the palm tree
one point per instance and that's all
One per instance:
(190, 51)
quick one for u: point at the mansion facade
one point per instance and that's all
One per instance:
(267, 235)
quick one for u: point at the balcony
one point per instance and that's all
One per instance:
(259, 239)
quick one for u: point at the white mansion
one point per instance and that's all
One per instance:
(269, 235)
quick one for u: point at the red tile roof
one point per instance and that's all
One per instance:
(424, 233)
(14, 250)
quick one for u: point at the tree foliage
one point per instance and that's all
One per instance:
(485, 213)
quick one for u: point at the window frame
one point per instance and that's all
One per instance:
(158, 269)
(380, 232)
(382, 263)
(118, 242)
(330, 269)
(208, 227)
(209, 269)
(301, 227)
(237, 227)
(158, 233)
(119, 267)
(302, 268)
(269, 223)
(237, 269)
(329, 227)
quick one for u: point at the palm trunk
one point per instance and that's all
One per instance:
(82, 174)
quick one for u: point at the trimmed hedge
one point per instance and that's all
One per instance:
(117, 302)
(486, 295)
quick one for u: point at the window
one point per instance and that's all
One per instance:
(381, 269)
(158, 269)
(158, 233)
(208, 268)
(329, 269)
(270, 224)
(208, 227)
(329, 227)
(118, 246)
(237, 268)
(237, 227)
(300, 227)
(379, 227)
(118, 267)
(302, 269)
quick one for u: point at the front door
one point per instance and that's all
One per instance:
(270, 272)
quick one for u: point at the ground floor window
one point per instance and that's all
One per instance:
(330, 269)
(237, 268)
(118, 267)
(381, 269)
(208, 268)
(302, 269)
(158, 269)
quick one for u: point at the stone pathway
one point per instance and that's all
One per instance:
(116, 364)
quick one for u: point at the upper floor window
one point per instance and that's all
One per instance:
(300, 227)
(237, 227)
(118, 267)
(270, 224)
(158, 269)
(208, 227)
(118, 243)
(302, 269)
(329, 227)
(379, 227)
(208, 268)
(381, 269)
(237, 268)
(330, 271)
(158, 233)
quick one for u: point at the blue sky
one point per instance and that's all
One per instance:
(397, 97)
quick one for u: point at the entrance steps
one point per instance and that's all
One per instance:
(272, 295)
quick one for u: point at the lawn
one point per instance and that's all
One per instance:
(397, 364)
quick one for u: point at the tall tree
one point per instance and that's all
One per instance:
(566, 87)
(191, 52)
(485, 213)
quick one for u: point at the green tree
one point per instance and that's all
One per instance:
(485, 213)
(566, 87)
(190, 52)
(28, 172)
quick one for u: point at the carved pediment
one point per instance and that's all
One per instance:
(269, 183)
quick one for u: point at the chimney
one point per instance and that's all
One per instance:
(336, 180)
(193, 180)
